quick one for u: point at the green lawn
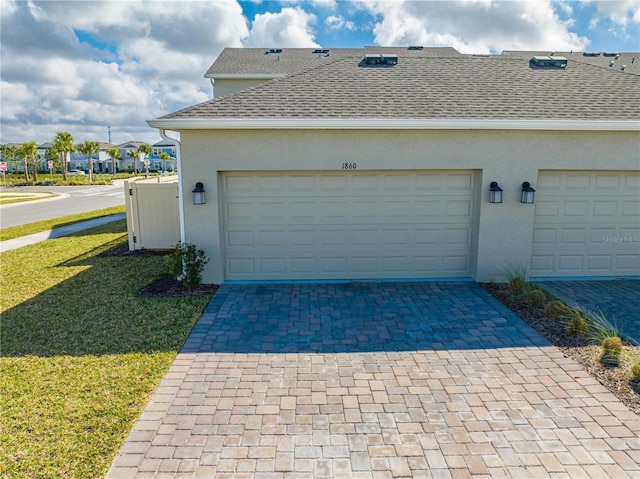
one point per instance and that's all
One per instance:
(80, 353)
(30, 228)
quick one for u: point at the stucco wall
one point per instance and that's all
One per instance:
(503, 232)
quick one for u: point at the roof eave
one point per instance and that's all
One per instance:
(244, 76)
(178, 124)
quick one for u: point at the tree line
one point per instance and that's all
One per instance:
(61, 147)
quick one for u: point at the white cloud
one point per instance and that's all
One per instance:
(472, 26)
(291, 27)
(621, 12)
(141, 60)
(338, 22)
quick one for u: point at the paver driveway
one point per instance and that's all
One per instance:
(375, 380)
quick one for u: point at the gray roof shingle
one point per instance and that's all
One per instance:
(436, 87)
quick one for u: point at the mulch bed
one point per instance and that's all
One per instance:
(169, 287)
(615, 379)
(165, 287)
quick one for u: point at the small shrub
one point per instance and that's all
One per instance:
(186, 263)
(516, 286)
(601, 327)
(577, 323)
(635, 372)
(611, 350)
(556, 309)
(536, 298)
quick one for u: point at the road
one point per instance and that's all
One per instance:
(72, 200)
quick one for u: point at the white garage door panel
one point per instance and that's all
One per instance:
(587, 224)
(354, 225)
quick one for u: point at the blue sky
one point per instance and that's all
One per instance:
(83, 66)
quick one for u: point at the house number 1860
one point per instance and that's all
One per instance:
(349, 166)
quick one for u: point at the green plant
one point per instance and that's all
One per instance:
(601, 327)
(186, 263)
(536, 298)
(556, 309)
(78, 368)
(577, 322)
(635, 372)
(611, 350)
(516, 286)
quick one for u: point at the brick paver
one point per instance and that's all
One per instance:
(371, 380)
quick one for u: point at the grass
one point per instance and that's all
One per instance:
(80, 353)
(17, 179)
(8, 198)
(30, 228)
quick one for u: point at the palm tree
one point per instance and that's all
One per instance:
(164, 157)
(133, 154)
(29, 151)
(23, 155)
(114, 154)
(89, 148)
(63, 144)
(146, 149)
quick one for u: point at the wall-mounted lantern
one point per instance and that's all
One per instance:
(495, 193)
(198, 194)
(528, 194)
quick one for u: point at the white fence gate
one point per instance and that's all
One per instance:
(153, 213)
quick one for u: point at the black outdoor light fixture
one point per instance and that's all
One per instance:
(198, 194)
(495, 193)
(528, 193)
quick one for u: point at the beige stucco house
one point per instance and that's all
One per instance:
(377, 164)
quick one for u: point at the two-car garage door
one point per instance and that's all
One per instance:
(586, 224)
(347, 224)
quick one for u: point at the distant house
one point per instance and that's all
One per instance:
(413, 163)
(79, 160)
(157, 163)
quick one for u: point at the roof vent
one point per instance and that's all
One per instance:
(623, 67)
(321, 51)
(415, 47)
(380, 59)
(591, 54)
(273, 50)
(548, 62)
(611, 54)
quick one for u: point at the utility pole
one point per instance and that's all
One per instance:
(109, 127)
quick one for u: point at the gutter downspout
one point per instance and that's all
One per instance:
(180, 187)
(213, 88)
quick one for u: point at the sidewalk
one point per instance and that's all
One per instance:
(57, 232)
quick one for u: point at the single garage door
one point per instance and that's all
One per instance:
(587, 224)
(347, 225)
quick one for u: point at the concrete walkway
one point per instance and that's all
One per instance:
(618, 300)
(57, 232)
(421, 380)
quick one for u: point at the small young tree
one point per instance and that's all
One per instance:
(30, 150)
(63, 144)
(164, 157)
(23, 155)
(146, 149)
(114, 154)
(89, 148)
(134, 154)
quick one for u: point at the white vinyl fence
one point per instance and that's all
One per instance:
(153, 214)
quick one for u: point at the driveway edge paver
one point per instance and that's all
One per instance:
(261, 389)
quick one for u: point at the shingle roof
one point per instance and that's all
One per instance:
(630, 60)
(254, 61)
(501, 87)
